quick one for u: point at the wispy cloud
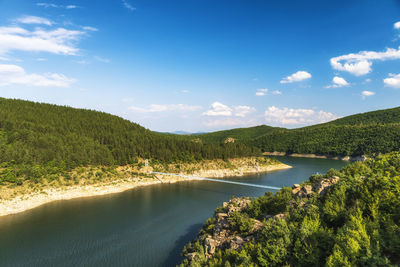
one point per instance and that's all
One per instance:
(297, 77)
(48, 5)
(276, 92)
(127, 5)
(33, 20)
(89, 28)
(243, 111)
(393, 80)
(103, 60)
(261, 92)
(338, 82)
(56, 41)
(290, 116)
(361, 62)
(164, 108)
(264, 92)
(13, 74)
(365, 94)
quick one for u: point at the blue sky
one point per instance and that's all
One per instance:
(204, 65)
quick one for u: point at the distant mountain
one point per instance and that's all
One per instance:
(186, 133)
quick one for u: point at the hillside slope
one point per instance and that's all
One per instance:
(361, 134)
(346, 218)
(241, 134)
(48, 135)
(384, 116)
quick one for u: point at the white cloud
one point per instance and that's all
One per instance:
(100, 59)
(368, 80)
(185, 91)
(218, 109)
(261, 92)
(361, 62)
(47, 5)
(338, 82)
(128, 5)
(367, 93)
(285, 116)
(276, 92)
(13, 74)
(89, 28)
(57, 41)
(393, 81)
(242, 111)
(297, 77)
(397, 25)
(34, 20)
(164, 108)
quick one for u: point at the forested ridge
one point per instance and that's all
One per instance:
(36, 136)
(349, 217)
(240, 134)
(360, 134)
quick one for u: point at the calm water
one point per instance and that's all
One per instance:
(141, 227)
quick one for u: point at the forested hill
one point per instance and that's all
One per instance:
(241, 134)
(361, 134)
(343, 218)
(384, 116)
(37, 133)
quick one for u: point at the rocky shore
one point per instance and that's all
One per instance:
(220, 232)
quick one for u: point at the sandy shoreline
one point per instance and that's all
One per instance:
(33, 200)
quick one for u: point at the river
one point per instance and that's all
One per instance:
(145, 226)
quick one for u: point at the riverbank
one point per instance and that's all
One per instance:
(128, 177)
(315, 156)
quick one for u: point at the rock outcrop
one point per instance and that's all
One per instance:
(320, 187)
(223, 237)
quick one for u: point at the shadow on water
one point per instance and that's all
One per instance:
(174, 256)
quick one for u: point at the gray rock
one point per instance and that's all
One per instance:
(322, 186)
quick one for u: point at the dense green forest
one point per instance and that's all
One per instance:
(361, 134)
(34, 136)
(344, 140)
(240, 134)
(354, 220)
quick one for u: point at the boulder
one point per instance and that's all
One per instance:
(191, 256)
(209, 246)
(305, 191)
(257, 226)
(279, 216)
(321, 186)
(236, 242)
